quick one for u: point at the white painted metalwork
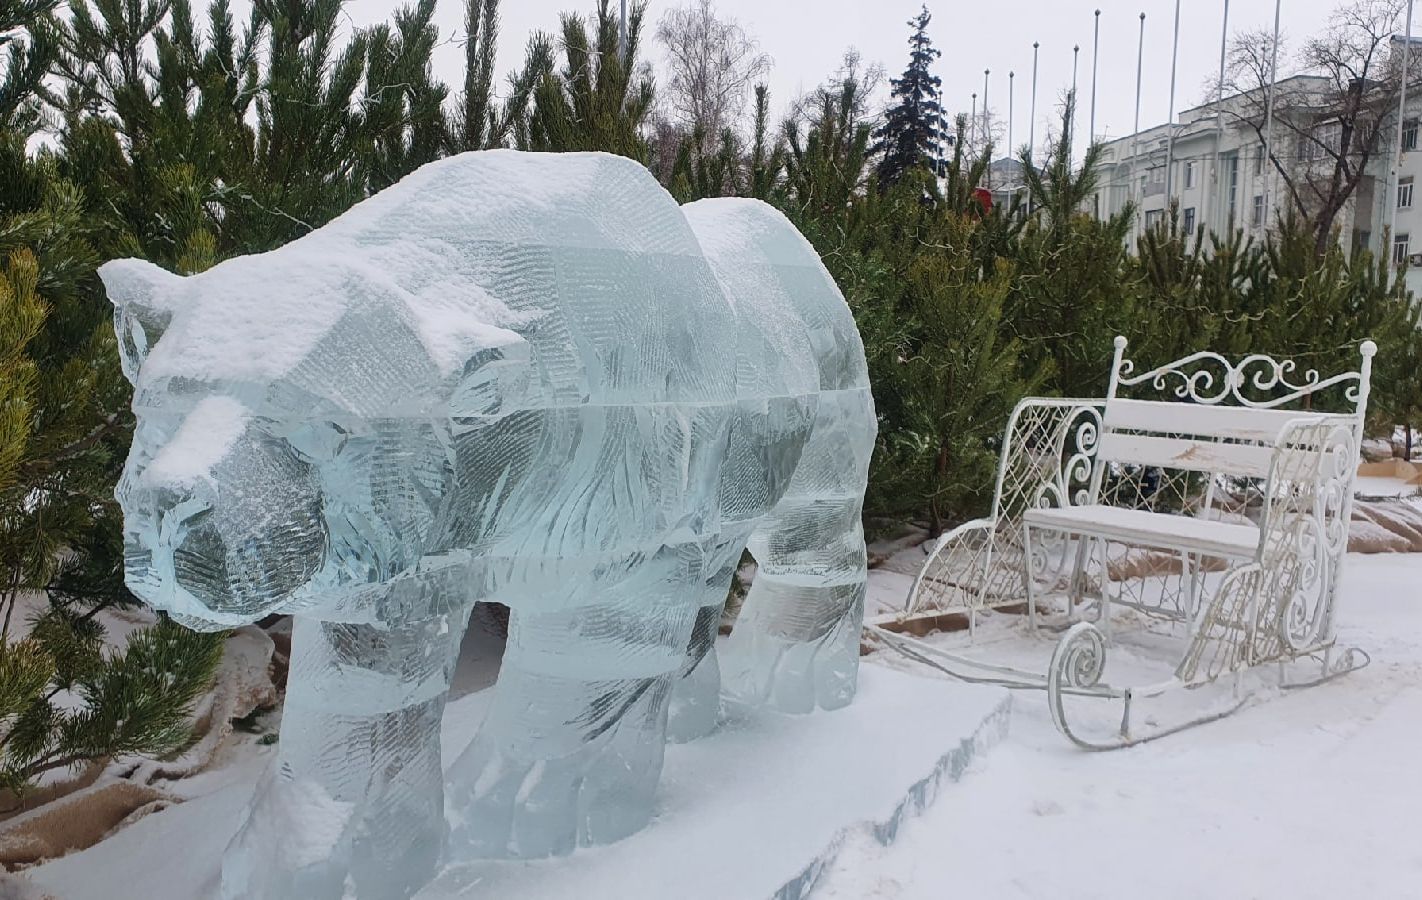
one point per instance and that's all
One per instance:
(1213, 509)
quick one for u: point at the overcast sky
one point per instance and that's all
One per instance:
(807, 38)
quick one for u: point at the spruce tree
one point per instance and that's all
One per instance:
(912, 133)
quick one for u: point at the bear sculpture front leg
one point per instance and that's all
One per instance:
(356, 790)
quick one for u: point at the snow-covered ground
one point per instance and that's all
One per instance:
(1315, 793)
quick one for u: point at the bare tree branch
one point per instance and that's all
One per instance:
(713, 64)
(1330, 123)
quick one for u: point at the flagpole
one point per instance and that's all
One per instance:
(1214, 197)
(1011, 95)
(622, 33)
(1269, 116)
(1095, 52)
(1032, 120)
(1401, 115)
(987, 127)
(1170, 122)
(1136, 134)
(973, 132)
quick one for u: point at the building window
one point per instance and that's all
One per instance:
(1233, 188)
(1362, 240)
(1189, 175)
(1190, 220)
(1259, 163)
(1153, 217)
(1409, 134)
(1404, 193)
(1256, 218)
(1400, 244)
(1157, 175)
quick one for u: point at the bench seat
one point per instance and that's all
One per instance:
(1153, 529)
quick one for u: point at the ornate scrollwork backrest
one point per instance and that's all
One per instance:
(1046, 460)
(1208, 379)
(1258, 380)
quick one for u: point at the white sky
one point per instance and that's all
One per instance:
(807, 38)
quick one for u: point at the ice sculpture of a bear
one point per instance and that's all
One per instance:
(517, 377)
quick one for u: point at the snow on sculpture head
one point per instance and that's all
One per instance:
(299, 411)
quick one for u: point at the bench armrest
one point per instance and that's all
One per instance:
(1304, 528)
(1048, 453)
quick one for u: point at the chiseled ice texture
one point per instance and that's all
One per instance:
(523, 378)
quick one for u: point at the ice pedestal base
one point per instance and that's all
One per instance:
(757, 809)
(760, 807)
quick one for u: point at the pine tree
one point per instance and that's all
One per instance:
(1075, 292)
(28, 47)
(912, 133)
(945, 365)
(727, 170)
(237, 141)
(824, 165)
(403, 111)
(65, 698)
(477, 125)
(598, 100)
(767, 159)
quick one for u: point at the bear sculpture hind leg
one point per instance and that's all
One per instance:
(571, 750)
(795, 644)
(695, 708)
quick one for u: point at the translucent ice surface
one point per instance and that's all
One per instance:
(523, 378)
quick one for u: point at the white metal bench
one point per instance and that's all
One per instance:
(1208, 504)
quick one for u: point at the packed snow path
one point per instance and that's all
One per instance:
(1314, 793)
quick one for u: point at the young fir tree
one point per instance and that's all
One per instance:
(64, 697)
(238, 140)
(912, 133)
(728, 171)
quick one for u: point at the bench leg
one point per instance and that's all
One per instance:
(1197, 584)
(1103, 613)
(1027, 577)
(1076, 584)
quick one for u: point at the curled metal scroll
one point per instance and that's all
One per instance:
(1209, 378)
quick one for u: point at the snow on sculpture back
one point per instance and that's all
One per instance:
(514, 377)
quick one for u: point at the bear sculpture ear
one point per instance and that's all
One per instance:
(140, 293)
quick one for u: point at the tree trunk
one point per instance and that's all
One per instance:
(940, 471)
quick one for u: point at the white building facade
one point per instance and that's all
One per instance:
(1217, 175)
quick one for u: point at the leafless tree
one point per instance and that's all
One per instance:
(986, 132)
(713, 62)
(867, 78)
(1330, 124)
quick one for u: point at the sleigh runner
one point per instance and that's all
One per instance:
(1207, 499)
